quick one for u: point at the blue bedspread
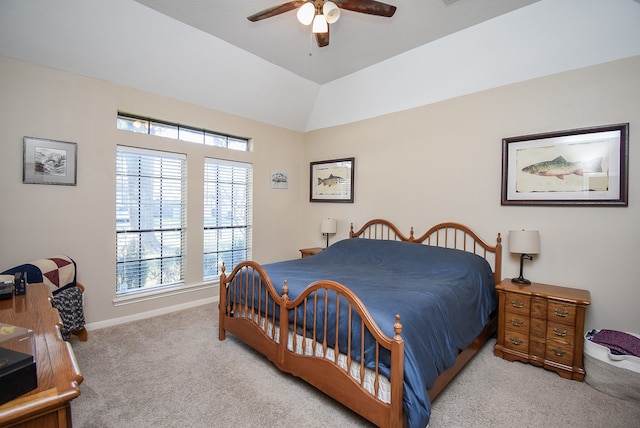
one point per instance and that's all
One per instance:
(444, 297)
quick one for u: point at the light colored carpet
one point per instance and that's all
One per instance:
(171, 371)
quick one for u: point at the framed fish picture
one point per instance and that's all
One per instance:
(332, 180)
(587, 166)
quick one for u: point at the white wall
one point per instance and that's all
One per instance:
(43, 220)
(442, 162)
(418, 167)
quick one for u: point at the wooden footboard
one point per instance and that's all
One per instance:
(252, 322)
(294, 336)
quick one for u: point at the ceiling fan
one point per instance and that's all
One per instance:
(321, 13)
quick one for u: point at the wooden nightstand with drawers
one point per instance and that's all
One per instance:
(543, 325)
(308, 252)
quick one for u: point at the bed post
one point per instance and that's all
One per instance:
(396, 418)
(497, 270)
(222, 334)
(284, 324)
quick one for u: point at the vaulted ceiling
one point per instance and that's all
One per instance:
(357, 40)
(207, 53)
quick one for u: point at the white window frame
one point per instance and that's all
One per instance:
(161, 218)
(176, 131)
(227, 234)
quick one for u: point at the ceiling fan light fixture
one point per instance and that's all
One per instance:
(320, 24)
(331, 12)
(319, 14)
(306, 13)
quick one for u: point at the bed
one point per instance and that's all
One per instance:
(381, 322)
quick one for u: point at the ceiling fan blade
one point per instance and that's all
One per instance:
(322, 39)
(276, 10)
(370, 7)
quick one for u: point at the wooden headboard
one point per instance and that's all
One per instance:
(446, 235)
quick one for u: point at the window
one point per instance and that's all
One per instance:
(150, 219)
(227, 215)
(131, 123)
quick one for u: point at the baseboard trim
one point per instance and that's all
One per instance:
(142, 315)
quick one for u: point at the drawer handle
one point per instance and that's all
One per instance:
(517, 304)
(558, 352)
(559, 332)
(517, 322)
(516, 341)
(561, 312)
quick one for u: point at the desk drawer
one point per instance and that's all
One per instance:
(561, 312)
(515, 321)
(516, 340)
(559, 352)
(561, 333)
(518, 303)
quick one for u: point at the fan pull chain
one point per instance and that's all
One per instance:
(310, 41)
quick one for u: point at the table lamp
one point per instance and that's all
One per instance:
(525, 243)
(328, 226)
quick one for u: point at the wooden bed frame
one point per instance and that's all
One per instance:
(255, 323)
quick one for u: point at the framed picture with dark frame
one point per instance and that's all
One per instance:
(49, 162)
(332, 180)
(587, 166)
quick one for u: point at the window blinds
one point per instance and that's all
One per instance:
(150, 218)
(227, 215)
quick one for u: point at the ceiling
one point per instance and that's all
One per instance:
(356, 41)
(429, 51)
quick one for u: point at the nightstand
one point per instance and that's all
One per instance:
(308, 252)
(543, 325)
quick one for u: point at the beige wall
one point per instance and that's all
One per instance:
(443, 162)
(42, 220)
(430, 164)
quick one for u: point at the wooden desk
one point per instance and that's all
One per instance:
(58, 374)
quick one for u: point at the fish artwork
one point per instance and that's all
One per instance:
(332, 180)
(559, 167)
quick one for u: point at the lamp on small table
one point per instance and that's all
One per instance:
(525, 243)
(328, 226)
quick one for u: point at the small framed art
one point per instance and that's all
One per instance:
(332, 180)
(279, 180)
(587, 166)
(49, 162)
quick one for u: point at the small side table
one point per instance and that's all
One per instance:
(543, 325)
(308, 252)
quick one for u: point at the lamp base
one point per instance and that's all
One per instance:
(521, 280)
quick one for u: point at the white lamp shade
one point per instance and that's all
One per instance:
(320, 24)
(329, 225)
(306, 13)
(524, 241)
(331, 12)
